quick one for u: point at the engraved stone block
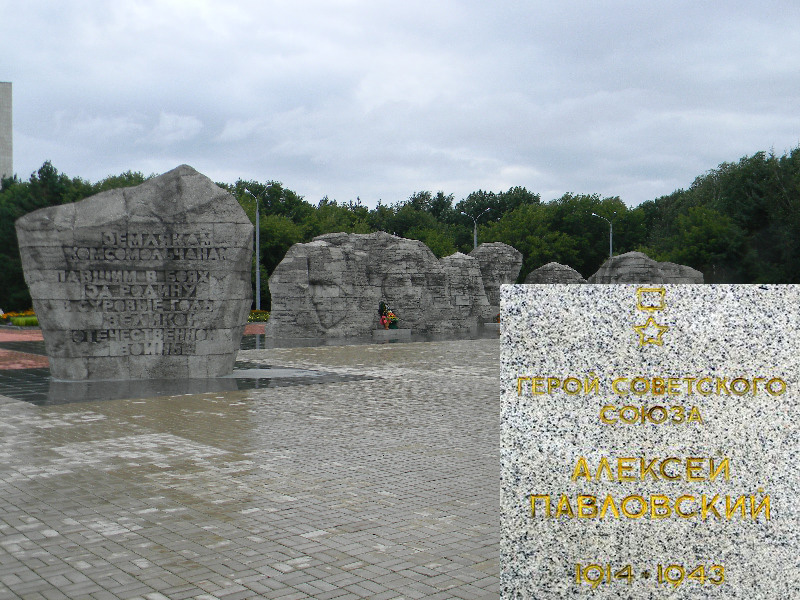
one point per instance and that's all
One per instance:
(554, 272)
(636, 267)
(499, 264)
(331, 287)
(141, 283)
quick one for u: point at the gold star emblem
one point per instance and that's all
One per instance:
(647, 335)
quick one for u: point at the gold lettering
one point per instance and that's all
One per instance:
(724, 468)
(762, 506)
(694, 416)
(648, 470)
(693, 466)
(678, 510)
(782, 388)
(604, 467)
(572, 385)
(591, 385)
(730, 509)
(663, 467)
(624, 467)
(587, 502)
(609, 503)
(673, 386)
(564, 507)
(740, 386)
(642, 507)
(707, 507)
(603, 416)
(659, 502)
(640, 386)
(535, 497)
(581, 470)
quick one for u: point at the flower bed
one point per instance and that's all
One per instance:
(258, 316)
(26, 318)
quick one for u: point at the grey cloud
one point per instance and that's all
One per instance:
(351, 98)
(173, 128)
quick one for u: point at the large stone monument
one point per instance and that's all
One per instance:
(331, 287)
(554, 272)
(466, 287)
(499, 264)
(148, 282)
(636, 267)
(649, 442)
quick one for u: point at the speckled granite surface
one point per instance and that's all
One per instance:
(696, 479)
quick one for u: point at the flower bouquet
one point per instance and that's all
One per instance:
(388, 319)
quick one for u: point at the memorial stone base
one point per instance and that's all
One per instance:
(391, 334)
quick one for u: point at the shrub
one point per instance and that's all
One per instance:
(25, 318)
(258, 316)
(25, 321)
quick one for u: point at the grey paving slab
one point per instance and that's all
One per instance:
(385, 487)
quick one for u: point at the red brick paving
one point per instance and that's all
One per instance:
(21, 360)
(254, 329)
(21, 335)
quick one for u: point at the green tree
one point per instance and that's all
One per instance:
(707, 241)
(274, 199)
(126, 179)
(440, 240)
(332, 217)
(278, 234)
(441, 208)
(45, 187)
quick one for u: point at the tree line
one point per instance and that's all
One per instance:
(738, 223)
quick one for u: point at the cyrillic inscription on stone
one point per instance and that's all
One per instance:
(650, 441)
(140, 283)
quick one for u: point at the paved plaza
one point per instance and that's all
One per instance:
(382, 486)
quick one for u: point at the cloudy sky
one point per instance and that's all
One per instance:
(378, 99)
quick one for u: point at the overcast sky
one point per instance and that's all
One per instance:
(377, 100)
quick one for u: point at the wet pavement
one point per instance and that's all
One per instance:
(25, 375)
(379, 482)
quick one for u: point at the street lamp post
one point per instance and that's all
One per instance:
(475, 221)
(610, 233)
(258, 253)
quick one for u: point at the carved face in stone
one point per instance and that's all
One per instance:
(328, 286)
(329, 301)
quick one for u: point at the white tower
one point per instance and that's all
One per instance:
(6, 145)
